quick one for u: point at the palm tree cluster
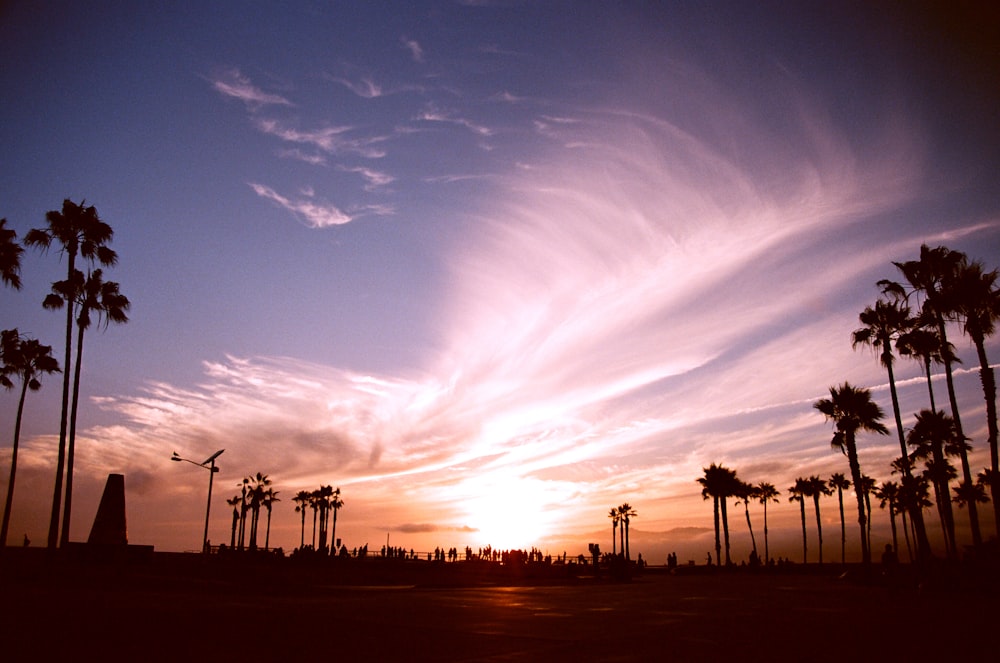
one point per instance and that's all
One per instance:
(83, 237)
(323, 501)
(721, 483)
(911, 318)
(256, 493)
(620, 517)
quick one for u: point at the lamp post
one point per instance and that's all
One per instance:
(208, 464)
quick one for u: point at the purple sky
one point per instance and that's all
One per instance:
(490, 267)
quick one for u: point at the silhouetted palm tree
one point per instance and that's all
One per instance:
(233, 501)
(259, 484)
(839, 482)
(627, 514)
(817, 489)
(91, 296)
(335, 505)
(798, 493)
(27, 359)
(614, 516)
(974, 300)
(79, 231)
(932, 436)
(269, 498)
(10, 256)
(884, 323)
(301, 500)
(766, 492)
(923, 343)
(744, 493)
(852, 409)
(929, 276)
(719, 483)
(887, 494)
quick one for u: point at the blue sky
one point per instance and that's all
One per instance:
(490, 267)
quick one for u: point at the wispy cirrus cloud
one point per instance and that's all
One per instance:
(365, 88)
(315, 215)
(333, 140)
(235, 85)
(432, 114)
(416, 51)
(373, 178)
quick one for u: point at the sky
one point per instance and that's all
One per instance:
(492, 268)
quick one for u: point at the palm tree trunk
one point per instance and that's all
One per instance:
(923, 543)
(819, 527)
(906, 534)
(930, 383)
(267, 534)
(13, 465)
(852, 459)
(988, 379)
(977, 537)
(802, 506)
(892, 523)
(725, 527)
(71, 448)
(627, 557)
(767, 552)
(61, 451)
(333, 535)
(302, 532)
(718, 544)
(236, 522)
(614, 538)
(746, 508)
(843, 527)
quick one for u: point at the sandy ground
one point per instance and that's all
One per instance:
(249, 613)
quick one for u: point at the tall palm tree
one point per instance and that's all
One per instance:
(744, 493)
(766, 492)
(27, 359)
(92, 295)
(10, 256)
(614, 516)
(719, 483)
(259, 484)
(233, 501)
(817, 489)
(974, 300)
(627, 514)
(923, 343)
(798, 493)
(335, 505)
(244, 509)
(888, 493)
(301, 500)
(79, 232)
(932, 436)
(839, 482)
(323, 497)
(852, 410)
(269, 498)
(884, 323)
(930, 277)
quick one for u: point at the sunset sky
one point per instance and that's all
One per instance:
(491, 268)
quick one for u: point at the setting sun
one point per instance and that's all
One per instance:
(510, 514)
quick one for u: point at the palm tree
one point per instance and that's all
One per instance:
(105, 299)
(867, 486)
(719, 483)
(259, 485)
(766, 492)
(884, 323)
(10, 256)
(270, 497)
(840, 483)
(244, 508)
(233, 501)
(852, 409)
(923, 343)
(798, 493)
(744, 493)
(627, 513)
(323, 497)
(79, 231)
(974, 300)
(818, 488)
(931, 276)
(335, 505)
(887, 494)
(301, 500)
(614, 516)
(28, 360)
(932, 436)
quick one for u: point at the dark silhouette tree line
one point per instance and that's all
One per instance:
(83, 237)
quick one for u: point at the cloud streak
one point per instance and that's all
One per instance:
(235, 85)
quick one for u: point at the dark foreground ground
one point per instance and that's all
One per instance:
(190, 610)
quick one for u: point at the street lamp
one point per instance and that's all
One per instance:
(208, 464)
